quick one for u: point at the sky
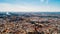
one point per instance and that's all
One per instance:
(30, 5)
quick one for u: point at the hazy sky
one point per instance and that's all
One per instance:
(29, 5)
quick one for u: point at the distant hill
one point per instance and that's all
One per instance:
(31, 14)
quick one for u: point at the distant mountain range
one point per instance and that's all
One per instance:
(31, 14)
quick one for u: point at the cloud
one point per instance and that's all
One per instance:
(13, 7)
(44, 1)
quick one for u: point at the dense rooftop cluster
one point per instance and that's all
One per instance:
(29, 25)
